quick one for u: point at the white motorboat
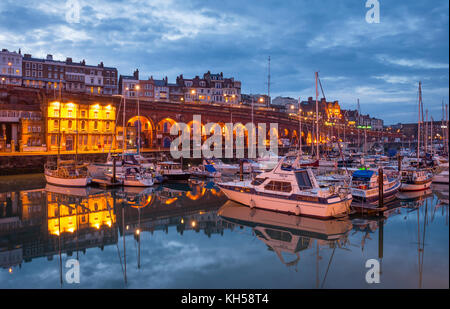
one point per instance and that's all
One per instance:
(289, 190)
(223, 168)
(134, 176)
(172, 171)
(204, 171)
(365, 186)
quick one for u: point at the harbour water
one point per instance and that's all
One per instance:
(190, 236)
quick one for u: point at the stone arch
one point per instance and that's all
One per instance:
(147, 128)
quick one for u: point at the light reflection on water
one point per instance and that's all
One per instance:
(190, 236)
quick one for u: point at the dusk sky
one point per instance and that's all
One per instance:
(381, 64)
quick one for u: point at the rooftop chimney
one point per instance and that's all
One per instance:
(136, 74)
(68, 60)
(49, 57)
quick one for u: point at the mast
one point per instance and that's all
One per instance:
(431, 134)
(268, 83)
(359, 123)
(299, 126)
(317, 119)
(426, 131)
(59, 128)
(124, 135)
(418, 123)
(139, 124)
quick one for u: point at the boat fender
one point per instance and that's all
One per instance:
(252, 203)
(297, 210)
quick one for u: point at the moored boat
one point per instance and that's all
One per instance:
(365, 186)
(289, 190)
(415, 179)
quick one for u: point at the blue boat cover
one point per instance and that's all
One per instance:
(210, 168)
(363, 174)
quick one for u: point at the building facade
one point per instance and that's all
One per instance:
(10, 68)
(70, 76)
(91, 124)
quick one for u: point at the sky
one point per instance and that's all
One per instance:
(380, 64)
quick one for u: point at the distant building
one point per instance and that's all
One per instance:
(287, 102)
(70, 76)
(127, 84)
(10, 68)
(261, 100)
(210, 89)
(330, 111)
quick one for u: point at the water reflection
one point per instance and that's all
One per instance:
(47, 226)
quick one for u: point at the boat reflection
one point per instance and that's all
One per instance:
(287, 234)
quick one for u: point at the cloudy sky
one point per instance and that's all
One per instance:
(381, 64)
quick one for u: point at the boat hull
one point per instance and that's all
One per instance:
(177, 177)
(415, 187)
(284, 205)
(373, 198)
(67, 182)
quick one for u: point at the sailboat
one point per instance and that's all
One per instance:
(415, 178)
(68, 172)
(134, 175)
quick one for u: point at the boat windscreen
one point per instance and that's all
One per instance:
(210, 168)
(303, 180)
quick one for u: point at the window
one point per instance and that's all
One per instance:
(56, 113)
(280, 186)
(107, 115)
(258, 181)
(69, 113)
(69, 125)
(303, 180)
(83, 124)
(107, 126)
(95, 114)
(83, 114)
(96, 125)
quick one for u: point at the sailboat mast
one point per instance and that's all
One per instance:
(418, 123)
(299, 126)
(124, 135)
(59, 127)
(317, 119)
(139, 124)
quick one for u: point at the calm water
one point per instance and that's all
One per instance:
(189, 236)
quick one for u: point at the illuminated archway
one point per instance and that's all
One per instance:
(146, 127)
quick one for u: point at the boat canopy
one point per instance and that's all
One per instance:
(367, 174)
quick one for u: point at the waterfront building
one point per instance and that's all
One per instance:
(128, 83)
(93, 124)
(209, 89)
(70, 76)
(10, 68)
(20, 122)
